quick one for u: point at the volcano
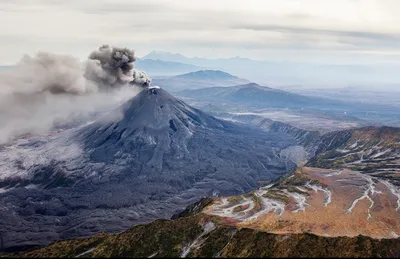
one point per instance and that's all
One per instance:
(146, 160)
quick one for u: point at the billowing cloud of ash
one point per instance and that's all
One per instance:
(109, 66)
(49, 90)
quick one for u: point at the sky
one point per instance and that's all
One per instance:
(322, 31)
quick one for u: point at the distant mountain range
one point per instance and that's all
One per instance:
(164, 68)
(237, 66)
(161, 55)
(198, 79)
(255, 96)
(279, 73)
(208, 75)
(205, 62)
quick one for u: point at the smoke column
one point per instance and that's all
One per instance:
(110, 66)
(50, 89)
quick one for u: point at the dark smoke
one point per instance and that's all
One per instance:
(116, 67)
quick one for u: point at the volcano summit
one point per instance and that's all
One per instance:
(147, 159)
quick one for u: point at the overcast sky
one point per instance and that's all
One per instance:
(326, 31)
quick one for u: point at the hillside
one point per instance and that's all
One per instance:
(202, 235)
(350, 187)
(256, 97)
(322, 202)
(210, 75)
(371, 150)
(199, 79)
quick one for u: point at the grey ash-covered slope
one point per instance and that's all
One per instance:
(153, 161)
(160, 136)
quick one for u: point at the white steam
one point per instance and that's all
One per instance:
(50, 90)
(45, 72)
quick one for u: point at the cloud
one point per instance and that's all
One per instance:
(76, 26)
(298, 38)
(300, 30)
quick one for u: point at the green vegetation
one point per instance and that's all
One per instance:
(239, 208)
(235, 199)
(275, 195)
(66, 248)
(290, 183)
(257, 203)
(215, 242)
(168, 238)
(295, 189)
(4, 254)
(194, 208)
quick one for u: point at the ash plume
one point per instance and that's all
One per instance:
(45, 72)
(49, 89)
(109, 66)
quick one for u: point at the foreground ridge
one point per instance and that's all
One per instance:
(203, 235)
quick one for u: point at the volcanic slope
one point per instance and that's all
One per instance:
(146, 160)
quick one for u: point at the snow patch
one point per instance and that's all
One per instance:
(268, 205)
(316, 188)
(381, 153)
(207, 228)
(395, 191)
(301, 201)
(354, 145)
(338, 172)
(86, 252)
(370, 188)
